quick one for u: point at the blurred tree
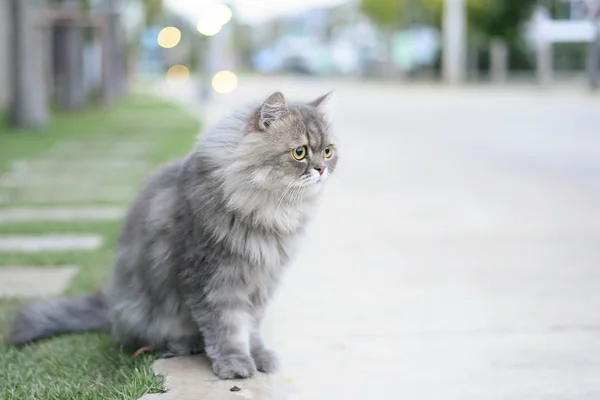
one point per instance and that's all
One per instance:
(489, 19)
(494, 27)
(154, 10)
(501, 18)
(387, 13)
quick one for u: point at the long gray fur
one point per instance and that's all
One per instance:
(206, 241)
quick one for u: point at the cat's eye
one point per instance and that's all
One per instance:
(328, 151)
(299, 152)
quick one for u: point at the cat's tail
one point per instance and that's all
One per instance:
(48, 318)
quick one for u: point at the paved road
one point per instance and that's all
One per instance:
(457, 252)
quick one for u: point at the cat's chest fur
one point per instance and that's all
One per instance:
(263, 251)
(265, 239)
(252, 265)
(259, 256)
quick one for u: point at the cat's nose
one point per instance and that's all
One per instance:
(321, 169)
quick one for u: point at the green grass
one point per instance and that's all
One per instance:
(171, 128)
(84, 366)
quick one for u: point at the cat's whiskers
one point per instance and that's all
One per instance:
(287, 189)
(290, 192)
(297, 193)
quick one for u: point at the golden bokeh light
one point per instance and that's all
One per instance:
(178, 74)
(224, 82)
(209, 26)
(169, 37)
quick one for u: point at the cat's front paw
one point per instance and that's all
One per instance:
(266, 360)
(234, 366)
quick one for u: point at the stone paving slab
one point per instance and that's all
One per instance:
(191, 378)
(76, 213)
(74, 180)
(52, 164)
(34, 282)
(63, 195)
(133, 149)
(53, 243)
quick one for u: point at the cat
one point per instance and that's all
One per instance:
(206, 241)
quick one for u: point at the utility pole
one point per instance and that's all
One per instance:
(454, 41)
(591, 9)
(593, 56)
(544, 48)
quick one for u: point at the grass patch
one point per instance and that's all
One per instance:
(169, 127)
(84, 366)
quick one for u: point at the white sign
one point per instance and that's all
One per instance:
(567, 31)
(543, 29)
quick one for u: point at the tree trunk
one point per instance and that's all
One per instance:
(113, 53)
(29, 106)
(72, 44)
(5, 48)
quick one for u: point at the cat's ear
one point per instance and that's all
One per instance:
(273, 109)
(322, 103)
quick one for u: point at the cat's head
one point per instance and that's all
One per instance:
(287, 149)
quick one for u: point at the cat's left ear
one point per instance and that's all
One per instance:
(323, 103)
(273, 109)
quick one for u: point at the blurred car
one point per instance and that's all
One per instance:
(301, 54)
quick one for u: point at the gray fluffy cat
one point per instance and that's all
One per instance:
(206, 242)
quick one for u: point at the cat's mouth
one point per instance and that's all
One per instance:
(310, 182)
(315, 181)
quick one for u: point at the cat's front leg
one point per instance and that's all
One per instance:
(227, 343)
(266, 360)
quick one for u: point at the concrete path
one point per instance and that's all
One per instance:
(191, 378)
(456, 253)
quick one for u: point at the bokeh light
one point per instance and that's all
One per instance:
(169, 37)
(212, 22)
(178, 74)
(224, 82)
(209, 26)
(222, 13)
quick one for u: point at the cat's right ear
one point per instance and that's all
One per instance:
(273, 109)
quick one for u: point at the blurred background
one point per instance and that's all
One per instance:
(456, 252)
(94, 49)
